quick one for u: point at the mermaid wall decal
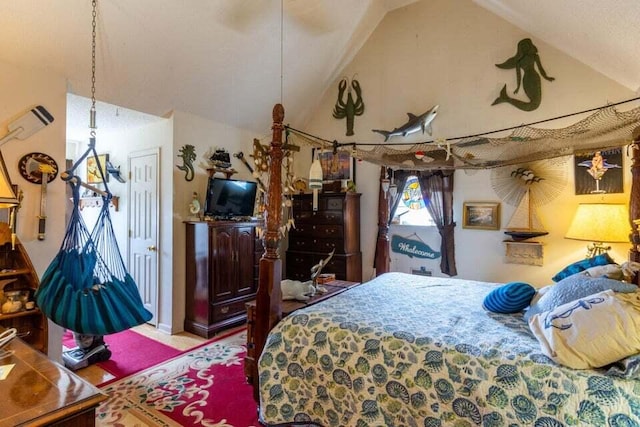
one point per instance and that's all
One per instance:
(525, 62)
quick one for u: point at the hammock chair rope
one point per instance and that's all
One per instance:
(87, 288)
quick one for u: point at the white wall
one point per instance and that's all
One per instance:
(203, 135)
(23, 89)
(443, 52)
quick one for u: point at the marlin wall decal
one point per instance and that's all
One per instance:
(415, 123)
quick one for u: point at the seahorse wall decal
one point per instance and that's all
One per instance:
(525, 62)
(188, 154)
(349, 108)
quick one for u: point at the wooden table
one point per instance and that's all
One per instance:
(289, 306)
(40, 392)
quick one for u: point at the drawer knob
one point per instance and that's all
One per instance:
(224, 310)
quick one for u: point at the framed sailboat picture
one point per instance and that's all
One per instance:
(481, 215)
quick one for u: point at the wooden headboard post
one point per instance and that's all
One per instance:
(382, 261)
(269, 296)
(634, 200)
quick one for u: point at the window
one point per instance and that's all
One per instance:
(411, 208)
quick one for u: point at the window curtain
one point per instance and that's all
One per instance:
(437, 188)
(400, 179)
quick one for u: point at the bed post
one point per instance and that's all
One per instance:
(634, 200)
(269, 297)
(382, 243)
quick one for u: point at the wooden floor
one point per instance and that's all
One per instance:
(182, 341)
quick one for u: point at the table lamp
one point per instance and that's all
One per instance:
(600, 223)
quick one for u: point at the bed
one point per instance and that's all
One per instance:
(405, 350)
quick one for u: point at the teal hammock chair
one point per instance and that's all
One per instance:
(87, 288)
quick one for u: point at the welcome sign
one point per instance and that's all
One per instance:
(412, 248)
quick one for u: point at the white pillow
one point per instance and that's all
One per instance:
(574, 287)
(590, 332)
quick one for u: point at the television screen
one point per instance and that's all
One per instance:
(230, 198)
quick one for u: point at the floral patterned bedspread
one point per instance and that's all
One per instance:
(405, 350)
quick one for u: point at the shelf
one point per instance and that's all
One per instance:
(96, 202)
(21, 313)
(13, 272)
(227, 172)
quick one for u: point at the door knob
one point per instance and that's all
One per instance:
(151, 248)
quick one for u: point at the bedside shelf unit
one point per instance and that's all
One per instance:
(17, 273)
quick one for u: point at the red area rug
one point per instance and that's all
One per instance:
(205, 386)
(131, 352)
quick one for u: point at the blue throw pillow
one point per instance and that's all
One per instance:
(577, 267)
(510, 298)
(573, 288)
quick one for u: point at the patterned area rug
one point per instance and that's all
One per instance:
(202, 387)
(125, 359)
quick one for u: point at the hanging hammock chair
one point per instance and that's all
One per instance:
(87, 288)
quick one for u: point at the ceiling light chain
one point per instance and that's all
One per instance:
(92, 112)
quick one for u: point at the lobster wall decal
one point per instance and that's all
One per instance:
(350, 108)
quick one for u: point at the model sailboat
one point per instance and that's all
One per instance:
(524, 223)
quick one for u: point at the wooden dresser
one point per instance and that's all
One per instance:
(221, 274)
(335, 225)
(39, 392)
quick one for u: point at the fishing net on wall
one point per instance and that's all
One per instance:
(604, 129)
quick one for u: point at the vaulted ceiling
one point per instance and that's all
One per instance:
(231, 60)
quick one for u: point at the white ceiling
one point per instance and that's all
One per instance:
(225, 60)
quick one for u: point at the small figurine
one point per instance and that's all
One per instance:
(194, 207)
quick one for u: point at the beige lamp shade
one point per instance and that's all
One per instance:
(7, 195)
(600, 222)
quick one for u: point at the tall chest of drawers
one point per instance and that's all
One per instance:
(335, 225)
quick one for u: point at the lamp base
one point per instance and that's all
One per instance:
(596, 248)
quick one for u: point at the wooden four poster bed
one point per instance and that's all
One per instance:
(356, 359)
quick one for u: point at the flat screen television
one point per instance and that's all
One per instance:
(229, 198)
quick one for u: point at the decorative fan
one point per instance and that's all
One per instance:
(528, 186)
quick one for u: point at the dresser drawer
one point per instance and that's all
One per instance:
(318, 217)
(299, 265)
(324, 203)
(317, 230)
(323, 246)
(225, 310)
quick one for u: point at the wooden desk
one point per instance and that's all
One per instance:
(40, 392)
(289, 306)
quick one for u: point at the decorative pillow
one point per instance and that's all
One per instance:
(573, 288)
(510, 298)
(539, 293)
(610, 271)
(613, 271)
(591, 332)
(577, 267)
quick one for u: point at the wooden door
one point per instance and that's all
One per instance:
(245, 246)
(143, 226)
(222, 263)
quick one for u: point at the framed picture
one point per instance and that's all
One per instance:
(599, 172)
(93, 174)
(481, 215)
(337, 166)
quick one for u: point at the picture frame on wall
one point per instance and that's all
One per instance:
(599, 172)
(93, 174)
(336, 167)
(481, 215)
